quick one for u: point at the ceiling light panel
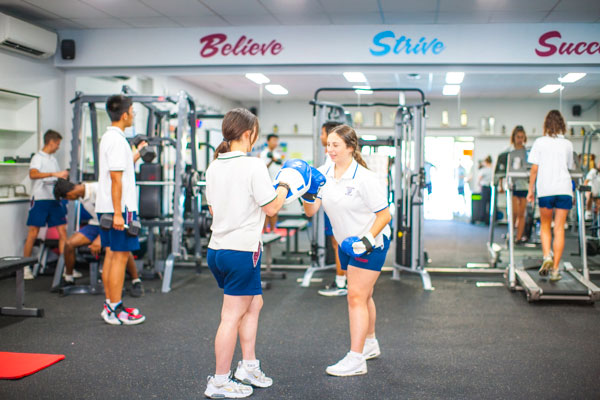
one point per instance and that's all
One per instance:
(277, 90)
(258, 78)
(454, 78)
(551, 88)
(451, 90)
(572, 77)
(355, 77)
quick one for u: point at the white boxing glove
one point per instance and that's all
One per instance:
(296, 174)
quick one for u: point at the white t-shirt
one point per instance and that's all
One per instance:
(89, 201)
(485, 176)
(43, 189)
(115, 155)
(554, 157)
(352, 201)
(237, 186)
(274, 167)
(594, 181)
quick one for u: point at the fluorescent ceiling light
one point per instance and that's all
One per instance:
(369, 137)
(276, 89)
(572, 77)
(451, 90)
(363, 89)
(551, 88)
(355, 77)
(454, 78)
(258, 78)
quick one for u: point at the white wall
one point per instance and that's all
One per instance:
(40, 78)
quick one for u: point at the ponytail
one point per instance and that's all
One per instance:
(235, 123)
(348, 135)
(224, 147)
(358, 157)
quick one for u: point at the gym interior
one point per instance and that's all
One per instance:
(433, 89)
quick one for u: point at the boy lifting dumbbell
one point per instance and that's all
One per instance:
(44, 209)
(89, 235)
(117, 201)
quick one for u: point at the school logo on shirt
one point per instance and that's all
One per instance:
(349, 190)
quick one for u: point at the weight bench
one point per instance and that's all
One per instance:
(94, 287)
(295, 225)
(10, 264)
(268, 239)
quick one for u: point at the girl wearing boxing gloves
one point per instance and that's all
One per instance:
(240, 194)
(357, 205)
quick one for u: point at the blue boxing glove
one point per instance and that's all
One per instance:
(296, 174)
(356, 247)
(317, 180)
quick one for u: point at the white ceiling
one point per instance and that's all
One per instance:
(111, 14)
(475, 85)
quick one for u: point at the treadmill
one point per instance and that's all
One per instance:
(499, 173)
(523, 273)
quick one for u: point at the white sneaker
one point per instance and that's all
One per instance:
(371, 349)
(229, 390)
(588, 215)
(27, 274)
(252, 376)
(76, 274)
(350, 365)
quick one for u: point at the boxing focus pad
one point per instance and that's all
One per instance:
(296, 174)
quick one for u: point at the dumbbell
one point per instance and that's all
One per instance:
(147, 153)
(133, 229)
(270, 155)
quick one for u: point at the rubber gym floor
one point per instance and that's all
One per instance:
(456, 342)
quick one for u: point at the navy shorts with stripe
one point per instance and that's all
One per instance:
(373, 261)
(46, 212)
(236, 272)
(563, 201)
(120, 240)
(90, 231)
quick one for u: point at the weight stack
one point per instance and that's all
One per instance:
(150, 196)
(403, 244)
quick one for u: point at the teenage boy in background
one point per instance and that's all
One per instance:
(44, 208)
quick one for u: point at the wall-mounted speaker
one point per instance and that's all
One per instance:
(576, 110)
(67, 49)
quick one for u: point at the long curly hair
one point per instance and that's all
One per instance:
(554, 124)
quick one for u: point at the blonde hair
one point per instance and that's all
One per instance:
(348, 135)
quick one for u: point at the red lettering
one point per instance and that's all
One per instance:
(589, 48)
(566, 48)
(216, 43)
(253, 50)
(277, 48)
(580, 47)
(544, 42)
(236, 48)
(210, 44)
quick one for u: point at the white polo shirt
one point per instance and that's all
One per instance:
(43, 189)
(89, 201)
(115, 155)
(352, 201)
(594, 181)
(237, 186)
(273, 168)
(554, 158)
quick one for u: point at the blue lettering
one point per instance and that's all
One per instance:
(377, 41)
(403, 44)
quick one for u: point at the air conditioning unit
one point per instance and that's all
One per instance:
(25, 38)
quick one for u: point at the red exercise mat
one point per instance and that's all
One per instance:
(18, 365)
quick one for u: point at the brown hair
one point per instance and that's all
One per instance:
(348, 135)
(554, 124)
(51, 135)
(518, 129)
(235, 123)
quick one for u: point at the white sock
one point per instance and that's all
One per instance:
(136, 281)
(251, 364)
(107, 301)
(371, 340)
(340, 281)
(68, 278)
(113, 306)
(356, 355)
(221, 379)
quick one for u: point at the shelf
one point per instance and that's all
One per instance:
(14, 164)
(18, 131)
(14, 200)
(294, 134)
